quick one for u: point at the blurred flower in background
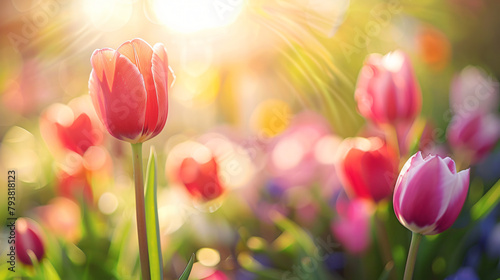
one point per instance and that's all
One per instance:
(287, 111)
(29, 241)
(367, 167)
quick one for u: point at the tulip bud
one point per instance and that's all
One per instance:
(429, 194)
(474, 135)
(367, 167)
(387, 91)
(129, 89)
(28, 238)
(201, 178)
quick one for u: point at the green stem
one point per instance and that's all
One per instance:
(383, 240)
(412, 255)
(140, 210)
(392, 138)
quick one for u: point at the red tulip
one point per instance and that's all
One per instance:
(80, 135)
(201, 178)
(474, 135)
(387, 91)
(28, 238)
(429, 194)
(367, 167)
(129, 89)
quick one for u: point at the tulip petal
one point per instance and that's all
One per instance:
(379, 171)
(455, 195)
(161, 75)
(421, 203)
(103, 63)
(120, 105)
(140, 53)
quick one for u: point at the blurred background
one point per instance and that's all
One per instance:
(268, 88)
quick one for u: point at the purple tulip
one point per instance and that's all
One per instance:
(429, 194)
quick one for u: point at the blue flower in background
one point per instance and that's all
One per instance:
(464, 273)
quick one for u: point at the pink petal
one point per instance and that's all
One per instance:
(422, 200)
(121, 105)
(140, 53)
(161, 76)
(457, 191)
(103, 64)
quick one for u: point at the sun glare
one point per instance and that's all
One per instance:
(188, 16)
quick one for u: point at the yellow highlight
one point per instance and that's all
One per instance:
(208, 257)
(271, 117)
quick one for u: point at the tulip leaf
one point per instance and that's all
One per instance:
(486, 203)
(187, 270)
(152, 226)
(50, 271)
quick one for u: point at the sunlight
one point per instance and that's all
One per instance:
(188, 16)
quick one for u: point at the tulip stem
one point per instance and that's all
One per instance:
(385, 246)
(140, 210)
(412, 255)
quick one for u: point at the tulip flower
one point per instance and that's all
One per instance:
(472, 90)
(367, 167)
(428, 197)
(129, 89)
(79, 135)
(387, 91)
(29, 237)
(201, 178)
(352, 227)
(474, 135)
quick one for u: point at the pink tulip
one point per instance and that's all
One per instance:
(387, 91)
(474, 136)
(429, 194)
(129, 89)
(367, 167)
(473, 91)
(28, 238)
(352, 226)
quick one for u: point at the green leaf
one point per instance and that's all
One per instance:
(187, 270)
(486, 203)
(152, 226)
(50, 271)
